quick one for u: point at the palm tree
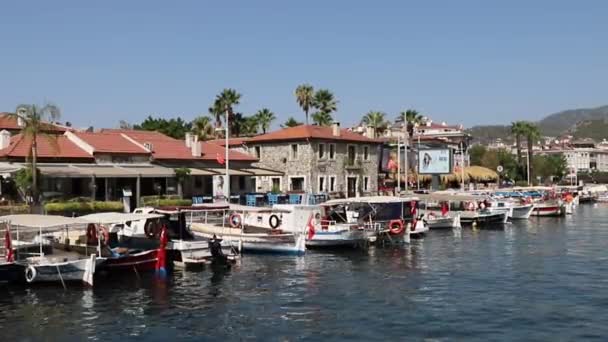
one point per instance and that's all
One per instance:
(411, 118)
(325, 102)
(291, 122)
(305, 95)
(518, 130)
(532, 134)
(203, 128)
(322, 119)
(250, 125)
(375, 119)
(265, 117)
(36, 125)
(224, 104)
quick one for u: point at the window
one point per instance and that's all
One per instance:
(366, 183)
(332, 183)
(294, 151)
(351, 154)
(275, 183)
(297, 183)
(254, 184)
(241, 182)
(332, 151)
(258, 151)
(321, 184)
(321, 151)
(198, 182)
(365, 153)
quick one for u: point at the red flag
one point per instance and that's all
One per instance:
(161, 261)
(413, 209)
(8, 245)
(220, 159)
(311, 228)
(444, 208)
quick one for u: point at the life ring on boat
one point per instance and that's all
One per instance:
(274, 221)
(150, 229)
(396, 227)
(235, 220)
(30, 273)
(91, 234)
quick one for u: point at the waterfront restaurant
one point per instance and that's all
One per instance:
(111, 164)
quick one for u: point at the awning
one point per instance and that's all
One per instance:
(256, 171)
(7, 169)
(231, 172)
(64, 170)
(104, 171)
(149, 170)
(201, 172)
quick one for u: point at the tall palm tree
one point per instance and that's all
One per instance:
(225, 102)
(250, 125)
(375, 119)
(411, 118)
(203, 128)
(325, 102)
(322, 119)
(532, 134)
(518, 130)
(35, 126)
(216, 112)
(305, 95)
(265, 117)
(291, 122)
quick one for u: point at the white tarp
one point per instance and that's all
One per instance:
(42, 221)
(116, 218)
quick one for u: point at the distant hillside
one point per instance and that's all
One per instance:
(558, 123)
(582, 123)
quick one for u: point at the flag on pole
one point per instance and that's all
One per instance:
(161, 261)
(444, 208)
(311, 228)
(220, 159)
(413, 210)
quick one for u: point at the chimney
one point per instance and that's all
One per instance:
(195, 147)
(188, 139)
(5, 139)
(335, 129)
(370, 132)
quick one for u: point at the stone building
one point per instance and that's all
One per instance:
(317, 159)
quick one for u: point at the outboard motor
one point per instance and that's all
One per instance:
(215, 246)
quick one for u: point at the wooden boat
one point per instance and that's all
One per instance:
(468, 207)
(55, 266)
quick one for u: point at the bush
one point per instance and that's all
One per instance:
(14, 209)
(81, 208)
(166, 202)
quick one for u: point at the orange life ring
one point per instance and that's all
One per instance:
(235, 220)
(396, 227)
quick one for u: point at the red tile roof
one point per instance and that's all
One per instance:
(232, 142)
(110, 143)
(9, 123)
(58, 146)
(303, 132)
(167, 148)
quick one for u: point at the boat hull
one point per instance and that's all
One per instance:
(488, 220)
(80, 270)
(341, 238)
(12, 272)
(549, 211)
(142, 261)
(522, 212)
(443, 222)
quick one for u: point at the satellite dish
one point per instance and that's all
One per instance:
(499, 168)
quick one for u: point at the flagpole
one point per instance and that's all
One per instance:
(227, 132)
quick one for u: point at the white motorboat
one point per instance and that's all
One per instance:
(435, 221)
(471, 209)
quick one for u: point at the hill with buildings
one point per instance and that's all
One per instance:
(582, 123)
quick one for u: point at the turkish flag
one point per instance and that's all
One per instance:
(220, 159)
(161, 261)
(8, 245)
(444, 208)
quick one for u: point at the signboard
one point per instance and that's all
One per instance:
(219, 189)
(499, 168)
(434, 161)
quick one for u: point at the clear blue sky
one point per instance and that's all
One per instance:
(470, 62)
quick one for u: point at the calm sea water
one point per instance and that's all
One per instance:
(545, 279)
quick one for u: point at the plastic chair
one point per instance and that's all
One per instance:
(251, 200)
(273, 199)
(295, 199)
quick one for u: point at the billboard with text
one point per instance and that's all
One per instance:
(434, 161)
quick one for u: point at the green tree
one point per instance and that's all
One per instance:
(305, 96)
(175, 128)
(322, 119)
(265, 117)
(202, 126)
(291, 122)
(375, 119)
(325, 102)
(224, 104)
(476, 154)
(532, 134)
(518, 129)
(251, 125)
(35, 126)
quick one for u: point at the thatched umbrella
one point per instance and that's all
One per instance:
(481, 174)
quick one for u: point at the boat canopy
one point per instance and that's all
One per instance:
(370, 199)
(449, 197)
(43, 221)
(533, 188)
(116, 218)
(194, 208)
(250, 209)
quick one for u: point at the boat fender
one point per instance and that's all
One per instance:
(274, 221)
(91, 234)
(235, 220)
(30, 273)
(396, 227)
(150, 229)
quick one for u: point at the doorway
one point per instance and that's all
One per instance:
(351, 186)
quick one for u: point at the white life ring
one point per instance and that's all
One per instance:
(30, 273)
